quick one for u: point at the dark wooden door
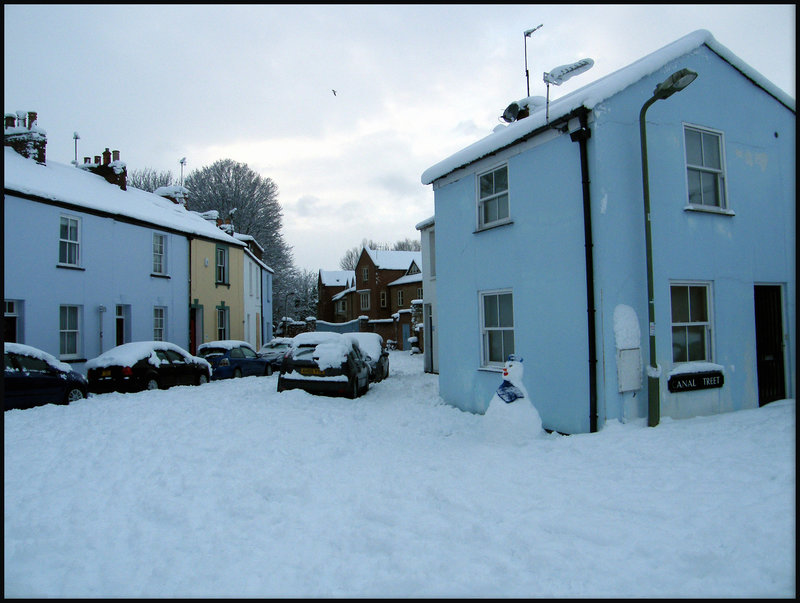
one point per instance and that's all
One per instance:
(769, 343)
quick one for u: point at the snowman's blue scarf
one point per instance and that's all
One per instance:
(509, 392)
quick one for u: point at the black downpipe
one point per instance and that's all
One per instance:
(581, 136)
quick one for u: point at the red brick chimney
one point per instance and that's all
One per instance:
(24, 135)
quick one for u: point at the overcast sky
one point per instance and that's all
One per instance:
(414, 84)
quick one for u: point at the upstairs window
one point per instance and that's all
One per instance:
(159, 253)
(493, 197)
(69, 248)
(400, 298)
(222, 266)
(364, 297)
(705, 168)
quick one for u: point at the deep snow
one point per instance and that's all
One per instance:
(230, 489)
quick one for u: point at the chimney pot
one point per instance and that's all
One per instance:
(106, 156)
(115, 155)
(87, 160)
(97, 159)
(10, 120)
(31, 119)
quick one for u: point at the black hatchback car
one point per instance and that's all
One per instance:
(33, 378)
(324, 363)
(142, 365)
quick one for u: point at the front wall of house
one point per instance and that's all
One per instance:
(728, 253)
(211, 296)
(116, 265)
(540, 258)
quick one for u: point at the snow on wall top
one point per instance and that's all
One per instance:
(66, 183)
(394, 260)
(592, 94)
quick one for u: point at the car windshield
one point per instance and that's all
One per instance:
(206, 352)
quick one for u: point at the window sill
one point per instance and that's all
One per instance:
(491, 369)
(709, 209)
(493, 226)
(228, 285)
(155, 275)
(70, 267)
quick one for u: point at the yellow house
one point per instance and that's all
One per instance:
(216, 291)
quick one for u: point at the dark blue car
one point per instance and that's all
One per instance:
(34, 378)
(232, 358)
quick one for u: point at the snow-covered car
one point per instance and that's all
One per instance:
(33, 378)
(144, 365)
(233, 358)
(275, 350)
(324, 363)
(375, 353)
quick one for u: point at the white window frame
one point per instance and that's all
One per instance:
(384, 299)
(693, 322)
(223, 321)
(159, 323)
(487, 330)
(364, 299)
(365, 274)
(159, 253)
(400, 298)
(221, 265)
(67, 244)
(494, 196)
(720, 174)
(69, 334)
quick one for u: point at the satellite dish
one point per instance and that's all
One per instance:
(511, 112)
(562, 73)
(522, 108)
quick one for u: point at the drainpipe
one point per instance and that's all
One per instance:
(581, 136)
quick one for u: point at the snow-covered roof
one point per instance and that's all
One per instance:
(342, 294)
(336, 278)
(68, 184)
(394, 260)
(592, 94)
(427, 223)
(408, 278)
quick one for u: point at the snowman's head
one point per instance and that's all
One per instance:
(512, 369)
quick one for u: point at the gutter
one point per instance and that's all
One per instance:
(581, 136)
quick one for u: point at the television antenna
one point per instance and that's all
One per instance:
(527, 34)
(559, 75)
(183, 163)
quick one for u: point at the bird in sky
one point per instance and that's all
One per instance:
(334, 91)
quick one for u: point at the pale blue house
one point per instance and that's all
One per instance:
(542, 250)
(89, 263)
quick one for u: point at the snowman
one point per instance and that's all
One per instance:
(511, 416)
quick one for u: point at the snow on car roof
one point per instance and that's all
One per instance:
(315, 338)
(26, 350)
(226, 344)
(129, 354)
(370, 343)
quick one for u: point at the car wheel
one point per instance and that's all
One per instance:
(202, 379)
(268, 370)
(151, 383)
(73, 394)
(237, 373)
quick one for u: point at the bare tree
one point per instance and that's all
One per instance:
(149, 180)
(407, 245)
(236, 191)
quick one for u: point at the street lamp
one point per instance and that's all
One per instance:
(674, 83)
